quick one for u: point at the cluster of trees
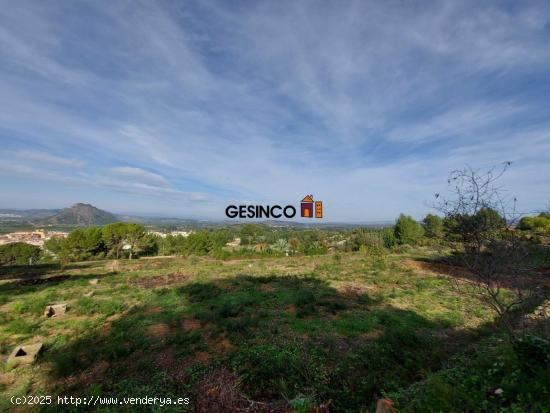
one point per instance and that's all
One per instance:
(405, 231)
(462, 227)
(287, 240)
(254, 240)
(116, 240)
(198, 243)
(129, 240)
(19, 253)
(409, 231)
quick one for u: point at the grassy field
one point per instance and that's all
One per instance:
(264, 335)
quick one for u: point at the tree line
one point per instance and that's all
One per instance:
(131, 240)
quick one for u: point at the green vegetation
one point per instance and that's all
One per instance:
(286, 332)
(473, 228)
(106, 242)
(433, 226)
(407, 230)
(539, 224)
(131, 240)
(19, 253)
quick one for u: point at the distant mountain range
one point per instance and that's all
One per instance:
(26, 214)
(85, 214)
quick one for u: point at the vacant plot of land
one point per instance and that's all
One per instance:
(262, 335)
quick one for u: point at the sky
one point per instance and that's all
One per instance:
(182, 108)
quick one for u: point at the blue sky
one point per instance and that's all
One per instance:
(181, 108)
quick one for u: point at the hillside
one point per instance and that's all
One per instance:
(81, 214)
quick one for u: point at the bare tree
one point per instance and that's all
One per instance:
(480, 223)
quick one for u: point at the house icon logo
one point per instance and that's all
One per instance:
(307, 207)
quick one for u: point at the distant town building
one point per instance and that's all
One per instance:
(235, 243)
(182, 233)
(158, 233)
(36, 237)
(173, 233)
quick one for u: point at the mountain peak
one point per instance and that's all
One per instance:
(81, 214)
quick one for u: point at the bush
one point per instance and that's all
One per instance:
(19, 253)
(220, 254)
(407, 230)
(539, 224)
(533, 352)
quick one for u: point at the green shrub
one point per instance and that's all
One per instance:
(539, 224)
(533, 352)
(220, 254)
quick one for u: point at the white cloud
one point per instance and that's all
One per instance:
(139, 176)
(47, 158)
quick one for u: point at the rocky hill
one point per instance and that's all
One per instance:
(81, 214)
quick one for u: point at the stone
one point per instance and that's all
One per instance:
(93, 281)
(24, 355)
(88, 294)
(55, 310)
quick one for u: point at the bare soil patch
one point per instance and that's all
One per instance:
(438, 268)
(223, 344)
(191, 324)
(158, 331)
(91, 375)
(354, 290)
(202, 356)
(152, 310)
(160, 280)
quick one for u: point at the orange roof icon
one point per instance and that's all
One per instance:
(308, 198)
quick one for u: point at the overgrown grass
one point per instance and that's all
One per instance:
(292, 331)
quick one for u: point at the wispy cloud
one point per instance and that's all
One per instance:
(462, 122)
(139, 175)
(365, 104)
(50, 159)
